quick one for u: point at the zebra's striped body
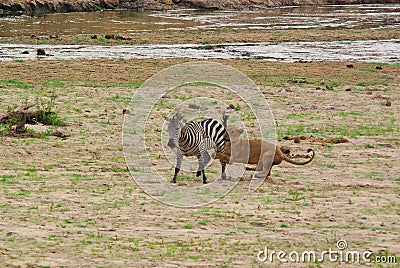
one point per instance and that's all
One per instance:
(208, 133)
(195, 139)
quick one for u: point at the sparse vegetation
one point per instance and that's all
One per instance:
(73, 202)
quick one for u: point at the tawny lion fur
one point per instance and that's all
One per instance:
(239, 150)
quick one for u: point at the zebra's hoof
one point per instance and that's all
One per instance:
(204, 182)
(174, 181)
(198, 173)
(223, 176)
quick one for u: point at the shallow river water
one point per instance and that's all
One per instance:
(369, 51)
(351, 17)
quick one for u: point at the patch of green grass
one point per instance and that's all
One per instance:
(162, 104)
(118, 98)
(135, 240)
(194, 257)
(338, 131)
(295, 195)
(100, 40)
(53, 83)
(203, 222)
(22, 194)
(48, 115)
(368, 146)
(346, 114)
(373, 83)
(53, 119)
(8, 179)
(15, 83)
(79, 177)
(277, 36)
(41, 134)
(368, 70)
(135, 84)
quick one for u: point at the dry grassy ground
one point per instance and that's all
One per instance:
(73, 203)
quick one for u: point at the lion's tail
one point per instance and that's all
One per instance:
(291, 161)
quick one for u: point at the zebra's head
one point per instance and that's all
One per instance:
(174, 129)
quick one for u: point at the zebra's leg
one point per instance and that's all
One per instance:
(179, 157)
(206, 159)
(202, 157)
(202, 167)
(223, 173)
(204, 177)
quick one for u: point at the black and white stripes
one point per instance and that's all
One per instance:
(196, 138)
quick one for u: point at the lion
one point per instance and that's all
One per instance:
(239, 150)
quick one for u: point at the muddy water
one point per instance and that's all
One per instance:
(356, 16)
(87, 23)
(125, 22)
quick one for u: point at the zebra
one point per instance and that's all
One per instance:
(194, 138)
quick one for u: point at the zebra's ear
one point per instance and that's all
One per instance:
(178, 116)
(241, 130)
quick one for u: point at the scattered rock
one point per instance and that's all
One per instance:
(388, 103)
(53, 36)
(25, 52)
(109, 36)
(298, 139)
(59, 134)
(318, 88)
(125, 111)
(350, 66)
(379, 67)
(40, 52)
(232, 106)
(328, 87)
(348, 89)
(119, 37)
(338, 140)
(194, 106)
(298, 81)
(93, 36)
